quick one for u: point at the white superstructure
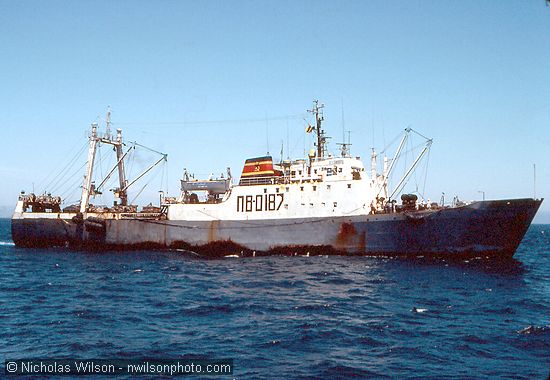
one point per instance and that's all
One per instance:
(335, 186)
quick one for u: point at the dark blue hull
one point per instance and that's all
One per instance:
(481, 228)
(493, 227)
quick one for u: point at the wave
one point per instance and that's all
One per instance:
(7, 243)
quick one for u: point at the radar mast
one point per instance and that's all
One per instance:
(317, 111)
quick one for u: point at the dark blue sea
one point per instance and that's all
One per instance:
(283, 317)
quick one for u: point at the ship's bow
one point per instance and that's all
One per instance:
(507, 221)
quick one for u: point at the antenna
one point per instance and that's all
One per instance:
(287, 141)
(343, 124)
(344, 147)
(267, 133)
(534, 181)
(372, 130)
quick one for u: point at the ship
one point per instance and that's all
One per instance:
(319, 205)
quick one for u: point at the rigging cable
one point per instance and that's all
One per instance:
(54, 182)
(202, 122)
(146, 184)
(59, 184)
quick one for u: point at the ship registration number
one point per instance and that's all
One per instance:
(260, 202)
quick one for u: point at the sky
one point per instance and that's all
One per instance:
(212, 83)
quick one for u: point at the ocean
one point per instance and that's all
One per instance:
(322, 317)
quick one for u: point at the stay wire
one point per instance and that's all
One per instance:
(65, 169)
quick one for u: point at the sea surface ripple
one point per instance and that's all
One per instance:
(283, 317)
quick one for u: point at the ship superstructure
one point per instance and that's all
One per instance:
(323, 204)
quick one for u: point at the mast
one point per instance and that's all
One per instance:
(121, 191)
(87, 186)
(98, 187)
(118, 144)
(108, 124)
(317, 111)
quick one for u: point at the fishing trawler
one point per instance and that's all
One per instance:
(323, 204)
